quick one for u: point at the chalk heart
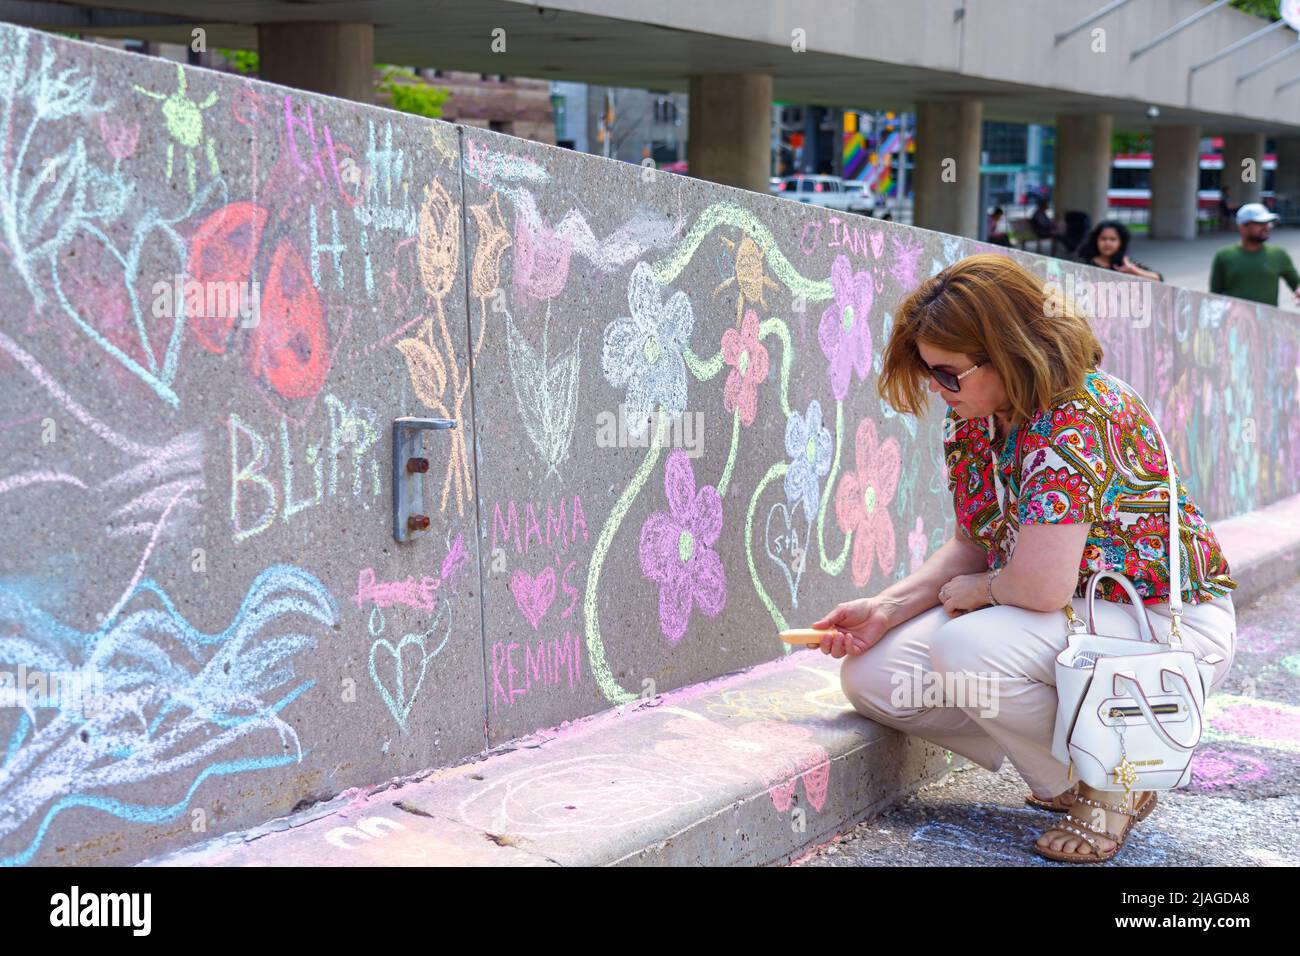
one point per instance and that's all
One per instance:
(782, 543)
(409, 666)
(533, 594)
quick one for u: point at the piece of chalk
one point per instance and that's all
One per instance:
(803, 635)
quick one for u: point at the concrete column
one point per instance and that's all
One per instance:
(1286, 180)
(333, 58)
(730, 128)
(1175, 174)
(1083, 165)
(947, 194)
(1236, 148)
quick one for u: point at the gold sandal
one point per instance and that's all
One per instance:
(1057, 804)
(1061, 802)
(1089, 832)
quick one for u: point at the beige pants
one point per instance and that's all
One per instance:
(953, 663)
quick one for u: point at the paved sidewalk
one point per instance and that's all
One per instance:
(757, 767)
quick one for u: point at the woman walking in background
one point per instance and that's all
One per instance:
(1056, 472)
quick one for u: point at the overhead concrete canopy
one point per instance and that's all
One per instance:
(1012, 54)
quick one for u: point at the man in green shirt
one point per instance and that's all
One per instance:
(1250, 270)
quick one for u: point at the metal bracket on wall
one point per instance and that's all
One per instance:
(409, 467)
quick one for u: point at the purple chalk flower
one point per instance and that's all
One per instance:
(677, 552)
(845, 333)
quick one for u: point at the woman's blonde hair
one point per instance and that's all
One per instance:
(997, 312)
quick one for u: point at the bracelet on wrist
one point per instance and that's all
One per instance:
(993, 574)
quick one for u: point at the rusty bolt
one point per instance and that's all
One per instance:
(417, 466)
(418, 523)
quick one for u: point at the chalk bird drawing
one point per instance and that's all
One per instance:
(163, 700)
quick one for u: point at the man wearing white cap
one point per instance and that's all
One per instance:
(1250, 269)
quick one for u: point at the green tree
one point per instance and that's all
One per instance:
(409, 93)
(244, 62)
(1268, 9)
(1125, 142)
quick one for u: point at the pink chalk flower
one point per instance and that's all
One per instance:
(748, 358)
(677, 552)
(862, 502)
(845, 333)
(541, 266)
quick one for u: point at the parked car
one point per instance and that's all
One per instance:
(826, 191)
(860, 201)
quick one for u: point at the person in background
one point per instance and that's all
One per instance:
(1250, 269)
(997, 228)
(1225, 207)
(1044, 226)
(1107, 248)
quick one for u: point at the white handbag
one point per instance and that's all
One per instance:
(1129, 711)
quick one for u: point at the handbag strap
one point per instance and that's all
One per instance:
(1175, 565)
(1144, 705)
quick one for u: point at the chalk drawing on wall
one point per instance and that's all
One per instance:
(166, 699)
(153, 479)
(643, 352)
(399, 670)
(863, 499)
(67, 204)
(750, 279)
(677, 549)
(436, 374)
(546, 392)
(634, 348)
(184, 119)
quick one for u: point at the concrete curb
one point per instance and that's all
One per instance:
(746, 769)
(752, 768)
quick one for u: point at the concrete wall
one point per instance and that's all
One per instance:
(199, 512)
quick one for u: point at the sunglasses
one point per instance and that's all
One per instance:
(950, 380)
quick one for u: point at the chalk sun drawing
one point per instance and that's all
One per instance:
(184, 118)
(173, 698)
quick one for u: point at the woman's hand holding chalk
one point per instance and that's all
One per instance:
(804, 635)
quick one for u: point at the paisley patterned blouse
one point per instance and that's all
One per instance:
(1094, 457)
